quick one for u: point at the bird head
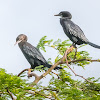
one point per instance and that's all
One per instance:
(21, 38)
(65, 14)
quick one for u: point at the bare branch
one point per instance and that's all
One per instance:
(11, 95)
(73, 61)
(33, 74)
(98, 60)
(31, 92)
(1, 92)
(55, 74)
(37, 78)
(22, 71)
(47, 72)
(51, 89)
(66, 53)
(52, 67)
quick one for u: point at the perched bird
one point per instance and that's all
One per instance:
(73, 31)
(31, 53)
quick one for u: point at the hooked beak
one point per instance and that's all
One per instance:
(17, 42)
(57, 15)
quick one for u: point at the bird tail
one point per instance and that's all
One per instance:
(55, 67)
(94, 45)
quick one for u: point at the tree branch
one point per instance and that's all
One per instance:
(51, 89)
(98, 60)
(73, 61)
(52, 67)
(66, 53)
(55, 74)
(22, 71)
(11, 95)
(31, 92)
(37, 78)
(33, 74)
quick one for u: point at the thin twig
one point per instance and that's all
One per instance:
(11, 95)
(55, 74)
(31, 92)
(98, 60)
(67, 60)
(51, 89)
(22, 71)
(51, 46)
(72, 69)
(73, 61)
(1, 92)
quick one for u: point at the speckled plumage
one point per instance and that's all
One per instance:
(31, 53)
(73, 31)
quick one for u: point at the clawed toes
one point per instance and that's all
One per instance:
(29, 75)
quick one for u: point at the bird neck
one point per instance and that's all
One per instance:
(22, 43)
(65, 18)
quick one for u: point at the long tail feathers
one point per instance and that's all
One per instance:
(55, 67)
(94, 45)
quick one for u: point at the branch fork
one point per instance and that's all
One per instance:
(38, 78)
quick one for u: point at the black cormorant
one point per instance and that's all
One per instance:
(31, 53)
(73, 31)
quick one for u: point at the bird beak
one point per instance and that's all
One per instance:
(18, 42)
(57, 15)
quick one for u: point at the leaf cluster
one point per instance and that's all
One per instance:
(58, 88)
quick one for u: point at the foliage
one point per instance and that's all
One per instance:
(62, 88)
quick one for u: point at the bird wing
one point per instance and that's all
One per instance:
(33, 52)
(75, 30)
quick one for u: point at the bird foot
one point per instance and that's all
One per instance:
(29, 75)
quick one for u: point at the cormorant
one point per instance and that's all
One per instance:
(73, 31)
(31, 53)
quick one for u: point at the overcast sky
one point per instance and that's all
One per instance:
(35, 18)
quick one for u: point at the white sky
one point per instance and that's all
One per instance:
(35, 18)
